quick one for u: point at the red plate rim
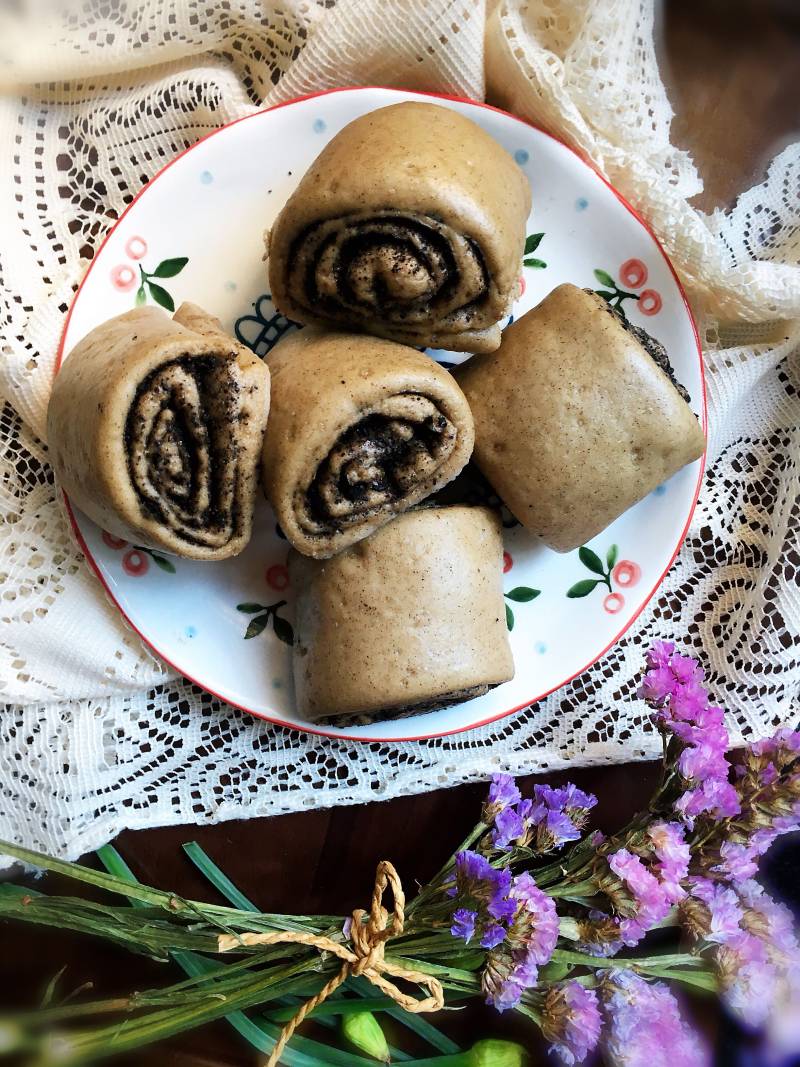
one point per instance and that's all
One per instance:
(704, 420)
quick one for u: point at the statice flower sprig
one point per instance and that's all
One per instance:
(589, 937)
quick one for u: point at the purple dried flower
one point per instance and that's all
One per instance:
(645, 1028)
(649, 896)
(554, 825)
(535, 927)
(685, 669)
(503, 792)
(509, 826)
(737, 861)
(482, 894)
(660, 653)
(770, 920)
(464, 921)
(506, 977)
(493, 935)
(712, 911)
(571, 1021)
(657, 686)
(747, 978)
(714, 797)
(673, 855)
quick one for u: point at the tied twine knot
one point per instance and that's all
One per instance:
(366, 957)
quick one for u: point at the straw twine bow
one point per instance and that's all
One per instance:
(366, 957)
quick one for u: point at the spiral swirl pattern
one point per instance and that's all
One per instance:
(389, 272)
(182, 457)
(394, 449)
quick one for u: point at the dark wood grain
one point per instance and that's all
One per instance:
(732, 70)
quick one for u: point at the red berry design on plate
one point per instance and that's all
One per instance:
(521, 285)
(123, 277)
(614, 603)
(135, 563)
(278, 577)
(626, 573)
(649, 302)
(112, 541)
(508, 562)
(633, 273)
(136, 247)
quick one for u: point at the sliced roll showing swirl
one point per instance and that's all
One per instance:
(409, 225)
(155, 428)
(360, 430)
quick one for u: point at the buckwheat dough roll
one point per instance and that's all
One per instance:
(155, 429)
(576, 417)
(409, 620)
(360, 430)
(410, 224)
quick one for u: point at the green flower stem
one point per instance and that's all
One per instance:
(435, 883)
(335, 1007)
(228, 919)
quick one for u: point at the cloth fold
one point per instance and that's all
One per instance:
(91, 111)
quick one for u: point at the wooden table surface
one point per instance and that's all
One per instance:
(732, 68)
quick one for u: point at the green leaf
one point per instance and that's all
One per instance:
(168, 268)
(283, 630)
(249, 608)
(161, 296)
(532, 242)
(583, 588)
(509, 618)
(255, 626)
(218, 878)
(591, 560)
(49, 994)
(605, 295)
(141, 296)
(538, 264)
(165, 564)
(523, 594)
(605, 278)
(611, 557)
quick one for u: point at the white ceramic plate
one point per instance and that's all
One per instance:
(211, 207)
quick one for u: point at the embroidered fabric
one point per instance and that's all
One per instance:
(97, 734)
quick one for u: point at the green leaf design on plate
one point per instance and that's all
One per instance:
(249, 608)
(509, 618)
(532, 242)
(168, 268)
(283, 630)
(605, 278)
(582, 588)
(256, 626)
(161, 296)
(165, 564)
(611, 557)
(523, 594)
(591, 560)
(538, 264)
(141, 296)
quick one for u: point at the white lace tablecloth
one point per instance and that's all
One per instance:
(97, 735)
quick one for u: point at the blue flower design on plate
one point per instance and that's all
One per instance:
(581, 203)
(521, 156)
(206, 177)
(319, 126)
(262, 331)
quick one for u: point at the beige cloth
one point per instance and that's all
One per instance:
(87, 746)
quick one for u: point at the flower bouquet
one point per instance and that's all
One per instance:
(586, 936)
